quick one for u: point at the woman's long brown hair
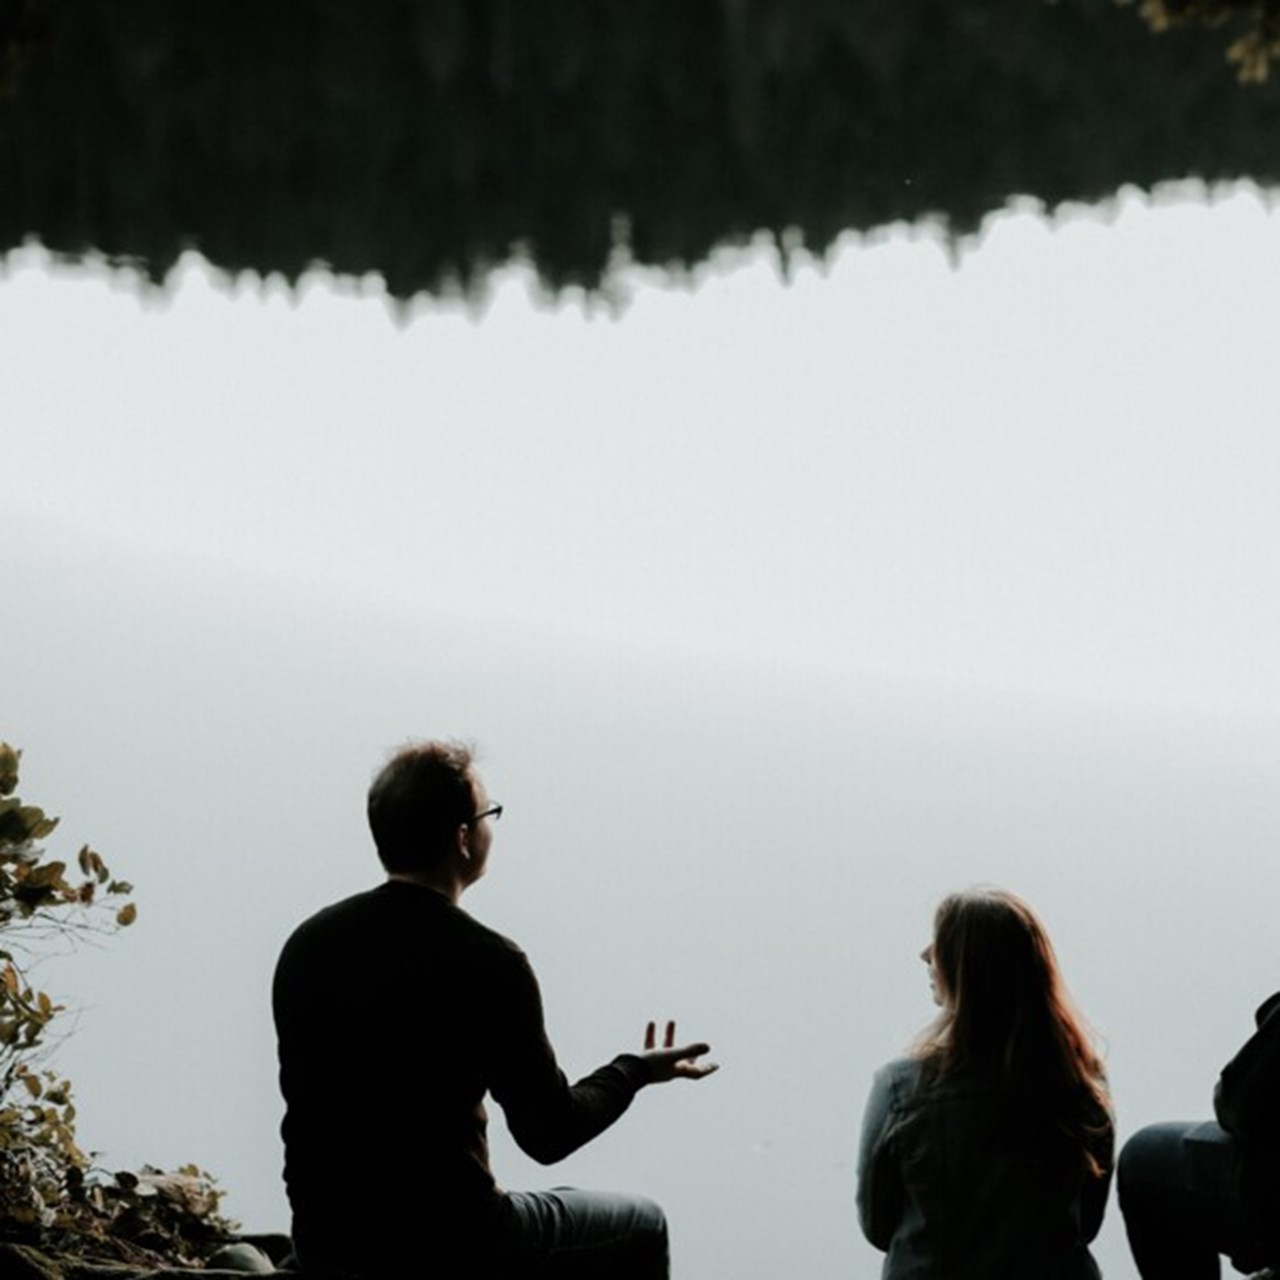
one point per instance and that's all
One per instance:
(1007, 1017)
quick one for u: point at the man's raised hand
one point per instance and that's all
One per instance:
(674, 1061)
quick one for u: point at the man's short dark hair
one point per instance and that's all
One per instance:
(418, 801)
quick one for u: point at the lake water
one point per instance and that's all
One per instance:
(777, 612)
(753, 850)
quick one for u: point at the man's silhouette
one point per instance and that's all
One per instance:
(1192, 1191)
(396, 1013)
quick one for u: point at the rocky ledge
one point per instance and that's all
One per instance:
(250, 1255)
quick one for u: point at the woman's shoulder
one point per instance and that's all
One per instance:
(904, 1068)
(913, 1082)
(900, 1079)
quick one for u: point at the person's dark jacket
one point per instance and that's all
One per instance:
(951, 1186)
(1246, 1101)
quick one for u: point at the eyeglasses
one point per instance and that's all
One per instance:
(494, 811)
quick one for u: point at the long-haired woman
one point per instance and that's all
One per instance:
(987, 1152)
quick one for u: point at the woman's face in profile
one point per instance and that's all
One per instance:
(936, 988)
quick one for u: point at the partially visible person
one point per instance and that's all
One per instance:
(1193, 1191)
(986, 1152)
(396, 1013)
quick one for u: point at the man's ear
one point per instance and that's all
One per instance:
(464, 834)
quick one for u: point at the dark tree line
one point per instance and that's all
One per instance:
(430, 140)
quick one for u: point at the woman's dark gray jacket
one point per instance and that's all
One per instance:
(946, 1190)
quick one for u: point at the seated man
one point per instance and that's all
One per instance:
(396, 1013)
(1190, 1192)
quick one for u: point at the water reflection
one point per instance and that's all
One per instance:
(430, 145)
(777, 612)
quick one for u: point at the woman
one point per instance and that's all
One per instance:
(987, 1152)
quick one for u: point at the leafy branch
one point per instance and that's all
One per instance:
(37, 894)
(1256, 24)
(50, 1192)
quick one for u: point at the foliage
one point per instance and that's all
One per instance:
(1255, 25)
(146, 1217)
(49, 1192)
(39, 898)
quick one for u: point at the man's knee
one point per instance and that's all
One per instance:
(642, 1236)
(650, 1248)
(614, 1213)
(603, 1235)
(650, 1218)
(643, 1230)
(1137, 1155)
(1150, 1160)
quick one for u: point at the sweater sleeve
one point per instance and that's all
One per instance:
(548, 1117)
(880, 1192)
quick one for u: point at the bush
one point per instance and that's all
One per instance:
(50, 1193)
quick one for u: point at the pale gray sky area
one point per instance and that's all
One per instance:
(777, 611)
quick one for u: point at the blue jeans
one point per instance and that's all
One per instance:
(1179, 1189)
(566, 1234)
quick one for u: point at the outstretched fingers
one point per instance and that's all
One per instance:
(686, 1065)
(651, 1036)
(672, 1060)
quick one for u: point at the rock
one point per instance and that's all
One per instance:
(275, 1244)
(241, 1256)
(232, 1262)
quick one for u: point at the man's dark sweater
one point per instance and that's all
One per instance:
(1246, 1101)
(395, 1013)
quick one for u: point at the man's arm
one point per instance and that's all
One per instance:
(1246, 1099)
(548, 1117)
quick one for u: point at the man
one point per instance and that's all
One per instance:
(1190, 1192)
(396, 1013)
